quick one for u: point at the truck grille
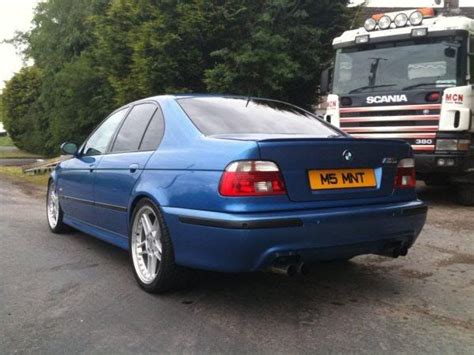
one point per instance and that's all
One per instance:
(416, 124)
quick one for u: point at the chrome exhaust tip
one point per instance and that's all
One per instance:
(394, 251)
(289, 270)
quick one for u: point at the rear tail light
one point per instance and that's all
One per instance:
(252, 178)
(406, 176)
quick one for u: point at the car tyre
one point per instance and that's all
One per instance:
(54, 212)
(466, 194)
(150, 244)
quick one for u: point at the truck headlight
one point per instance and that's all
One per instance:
(370, 24)
(401, 20)
(453, 144)
(416, 18)
(385, 22)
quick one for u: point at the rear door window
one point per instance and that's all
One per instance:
(131, 133)
(233, 115)
(154, 132)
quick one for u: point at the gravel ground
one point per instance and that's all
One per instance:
(73, 293)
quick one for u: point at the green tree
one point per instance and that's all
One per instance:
(2, 111)
(277, 48)
(20, 98)
(74, 94)
(269, 48)
(93, 55)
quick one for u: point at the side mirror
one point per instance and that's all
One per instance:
(69, 148)
(325, 81)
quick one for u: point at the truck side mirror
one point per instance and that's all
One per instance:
(325, 81)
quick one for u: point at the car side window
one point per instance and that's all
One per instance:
(154, 132)
(132, 130)
(99, 141)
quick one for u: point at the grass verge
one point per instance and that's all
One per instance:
(16, 173)
(17, 154)
(5, 141)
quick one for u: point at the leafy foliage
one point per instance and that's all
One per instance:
(19, 105)
(93, 55)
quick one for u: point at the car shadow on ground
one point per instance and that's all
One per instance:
(437, 195)
(338, 283)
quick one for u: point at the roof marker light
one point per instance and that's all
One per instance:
(370, 24)
(377, 17)
(385, 22)
(401, 20)
(427, 12)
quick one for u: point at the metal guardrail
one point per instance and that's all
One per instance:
(43, 167)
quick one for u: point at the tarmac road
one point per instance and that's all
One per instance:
(73, 293)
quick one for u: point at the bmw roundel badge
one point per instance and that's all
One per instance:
(347, 154)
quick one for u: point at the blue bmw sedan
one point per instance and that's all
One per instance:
(233, 184)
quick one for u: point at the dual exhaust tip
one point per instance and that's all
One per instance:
(291, 269)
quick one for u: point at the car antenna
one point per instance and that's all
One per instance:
(248, 100)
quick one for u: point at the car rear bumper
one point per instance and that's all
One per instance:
(249, 242)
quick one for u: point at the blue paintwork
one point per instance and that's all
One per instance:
(182, 177)
(114, 183)
(75, 179)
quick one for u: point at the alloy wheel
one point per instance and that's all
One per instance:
(53, 206)
(146, 244)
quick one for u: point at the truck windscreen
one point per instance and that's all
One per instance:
(398, 66)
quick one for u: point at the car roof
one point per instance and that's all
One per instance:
(159, 98)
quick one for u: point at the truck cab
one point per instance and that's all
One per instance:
(410, 75)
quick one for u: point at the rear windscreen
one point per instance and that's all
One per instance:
(222, 115)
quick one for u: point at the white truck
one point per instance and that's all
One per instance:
(410, 75)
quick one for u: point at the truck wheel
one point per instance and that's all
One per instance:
(466, 194)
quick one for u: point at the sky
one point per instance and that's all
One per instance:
(15, 15)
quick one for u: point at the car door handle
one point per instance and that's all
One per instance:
(91, 167)
(133, 167)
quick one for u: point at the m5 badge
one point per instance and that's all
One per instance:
(389, 161)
